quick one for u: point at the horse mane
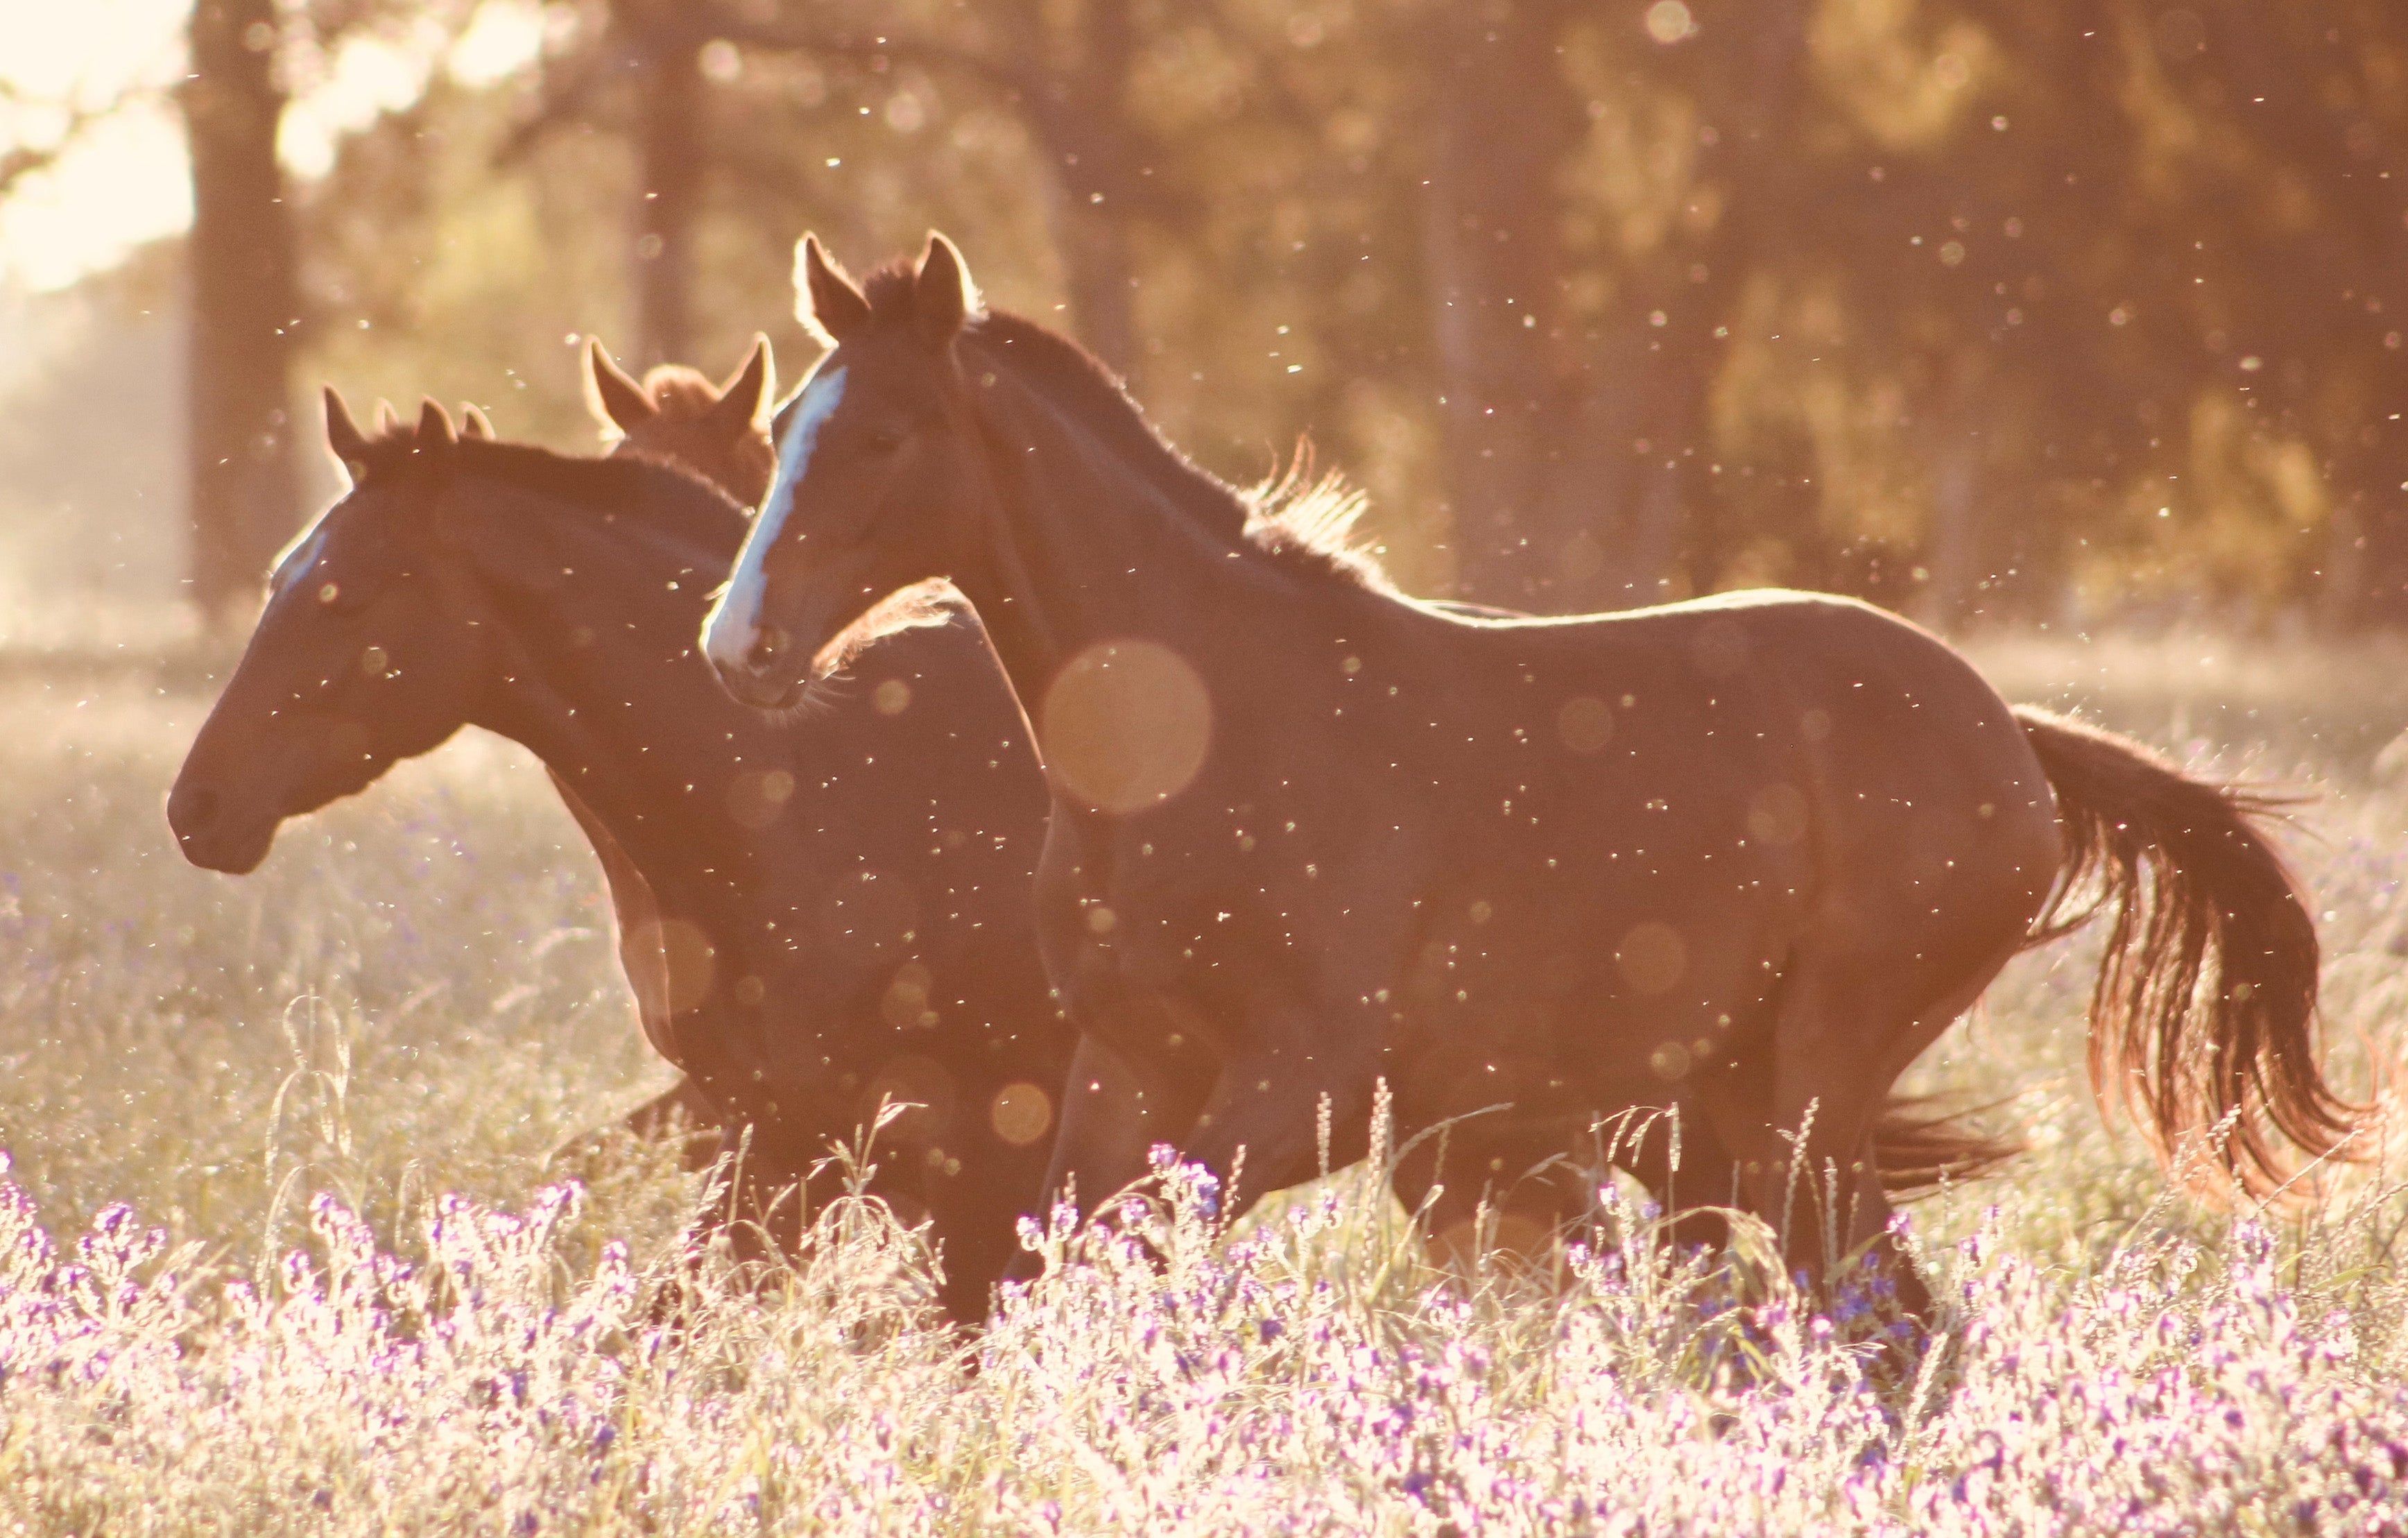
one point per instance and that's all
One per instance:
(1308, 521)
(657, 491)
(1298, 522)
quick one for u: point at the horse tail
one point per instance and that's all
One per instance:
(2202, 1020)
(1918, 1147)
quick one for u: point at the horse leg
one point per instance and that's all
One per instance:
(1267, 1100)
(682, 1111)
(1869, 1234)
(1695, 1193)
(1113, 1112)
(1503, 1199)
(1845, 1029)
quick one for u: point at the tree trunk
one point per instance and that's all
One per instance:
(242, 490)
(674, 160)
(2367, 573)
(1506, 120)
(1081, 117)
(1099, 272)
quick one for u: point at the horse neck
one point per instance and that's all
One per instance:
(1084, 546)
(577, 653)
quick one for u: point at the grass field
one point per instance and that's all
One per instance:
(282, 1252)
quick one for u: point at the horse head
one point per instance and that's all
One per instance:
(676, 414)
(880, 476)
(364, 654)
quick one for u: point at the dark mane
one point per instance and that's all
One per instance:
(1070, 375)
(654, 491)
(1302, 524)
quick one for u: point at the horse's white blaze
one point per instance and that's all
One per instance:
(735, 618)
(298, 559)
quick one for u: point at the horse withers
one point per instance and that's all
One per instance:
(1749, 855)
(842, 895)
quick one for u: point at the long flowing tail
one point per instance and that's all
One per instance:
(2204, 1017)
(1920, 1144)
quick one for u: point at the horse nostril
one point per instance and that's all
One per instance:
(199, 808)
(766, 646)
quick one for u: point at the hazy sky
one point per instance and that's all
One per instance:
(125, 181)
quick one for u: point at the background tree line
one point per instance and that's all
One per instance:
(1978, 308)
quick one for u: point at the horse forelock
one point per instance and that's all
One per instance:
(891, 289)
(680, 391)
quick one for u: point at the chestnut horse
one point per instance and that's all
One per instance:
(1750, 855)
(842, 900)
(677, 416)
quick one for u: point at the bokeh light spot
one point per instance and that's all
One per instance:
(1671, 1061)
(922, 1084)
(1653, 957)
(1021, 1114)
(1125, 725)
(1586, 724)
(755, 797)
(692, 961)
(1777, 814)
(906, 1001)
(1669, 20)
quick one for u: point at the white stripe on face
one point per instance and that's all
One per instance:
(299, 558)
(727, 639)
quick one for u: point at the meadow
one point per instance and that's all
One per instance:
(284, 1248)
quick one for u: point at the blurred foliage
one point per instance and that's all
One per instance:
(1978, 308)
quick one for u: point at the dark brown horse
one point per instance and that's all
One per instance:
(1750, 855)
(842, 897)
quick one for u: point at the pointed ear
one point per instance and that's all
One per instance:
(474, 423)
(943, 296)
(825, 300)
(742, 399)
(387, 419)
(343, 434)
(613, 396)
(434, 425)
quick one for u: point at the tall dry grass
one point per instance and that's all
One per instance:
(280, 1249)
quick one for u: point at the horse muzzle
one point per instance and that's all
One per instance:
(763, 671)
(217, 836)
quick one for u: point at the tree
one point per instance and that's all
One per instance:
(664, 40)
(242, 488)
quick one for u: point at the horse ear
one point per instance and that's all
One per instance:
(943, 296)
(434, 425)
(612, 394)
(474, 423)
(825, 300)
(741, 399)
(343, 434)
